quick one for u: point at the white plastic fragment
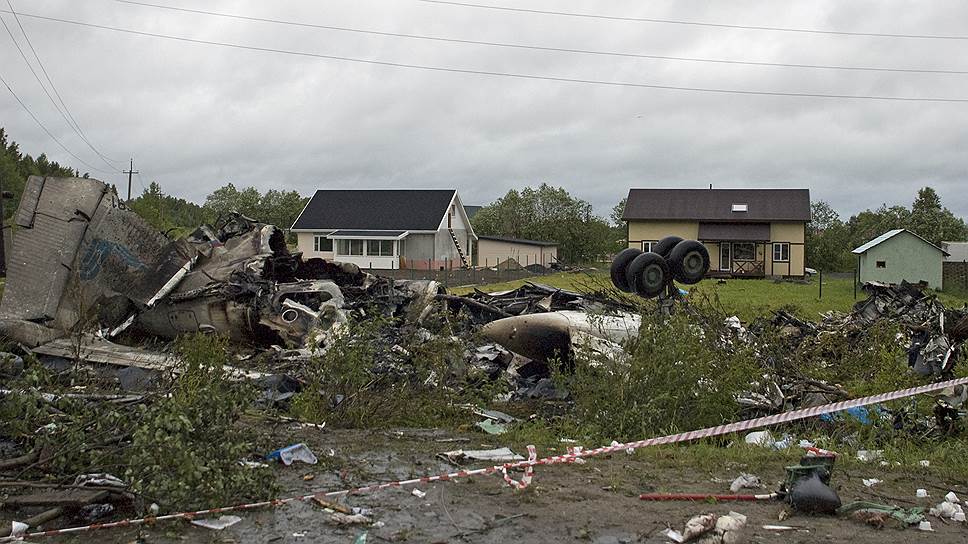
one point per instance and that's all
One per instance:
(17, 529)
(745, 481)
(699, 525)
(218, 523)
(673, 535)
(730, 527)
(947, 510)
(869, 455)
(924, 463)
(925, 526)
(779, 528)
(951, 497)
(921, 493)
(629, 451)
(417, 493)
(154, 509)
(296, 452)
(959, 516)
(871, 482)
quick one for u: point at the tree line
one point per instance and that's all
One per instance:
(830, 239)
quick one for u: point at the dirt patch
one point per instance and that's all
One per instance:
(594, 502)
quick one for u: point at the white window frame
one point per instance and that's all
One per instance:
(784, 248)
(379, 248)
(349, 247)
(647, 245)
(316, 243)
(744, 260)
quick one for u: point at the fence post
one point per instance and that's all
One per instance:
(820, 282)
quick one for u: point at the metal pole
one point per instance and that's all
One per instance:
(821, 283)
(3, 254)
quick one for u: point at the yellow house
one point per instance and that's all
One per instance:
(748, 232)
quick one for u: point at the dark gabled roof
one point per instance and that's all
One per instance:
(517, 240)
(717, 205)
(375, 209)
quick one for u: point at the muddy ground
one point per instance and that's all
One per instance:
(595, 502)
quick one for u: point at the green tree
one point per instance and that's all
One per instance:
(228, 199)
(828, 239)
(933, 221)
(617, 212)
(16, 167)
(552, 214)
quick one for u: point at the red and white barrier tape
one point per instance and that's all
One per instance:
(574, 455)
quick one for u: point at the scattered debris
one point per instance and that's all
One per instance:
(296, 452)
(745, 481)
(497, 455)
(418, 493)
(218, 523)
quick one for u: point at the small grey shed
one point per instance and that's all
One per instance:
(900, 255)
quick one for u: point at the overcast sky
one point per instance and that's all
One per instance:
(195, 117)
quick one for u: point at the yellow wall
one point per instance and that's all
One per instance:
(791, 232)
(491, 252)
(794, 233)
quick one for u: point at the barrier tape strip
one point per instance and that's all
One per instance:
(574, 455)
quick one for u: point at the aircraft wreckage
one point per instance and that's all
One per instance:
(82, 261)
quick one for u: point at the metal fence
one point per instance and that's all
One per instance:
(466, 276)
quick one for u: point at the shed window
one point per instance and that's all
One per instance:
(781, 252)
(322, 243)
(647, 245)
(744, 251)
(881, 264)
(351, 247)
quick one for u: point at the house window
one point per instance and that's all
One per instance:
(379, 248)
(322, 243)
(781, 252)
(881, 264)
(647, 245)
(744, 251)
(350, 247)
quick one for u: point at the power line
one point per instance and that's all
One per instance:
(513, 75)
(44, 128)
(73, 122)
(697, 23)
(538, 47)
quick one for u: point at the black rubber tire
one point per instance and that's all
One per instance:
(649, 274)
(689, 262)
(665, 245)
(619, 264)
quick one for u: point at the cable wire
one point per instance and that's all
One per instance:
(697, 23)
(72, 121)
(537, 47)
(44, 128)
(500, 74)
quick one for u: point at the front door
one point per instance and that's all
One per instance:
(725, 256)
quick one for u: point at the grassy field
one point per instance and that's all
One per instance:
(747, 298)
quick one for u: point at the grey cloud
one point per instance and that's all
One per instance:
(195, 117)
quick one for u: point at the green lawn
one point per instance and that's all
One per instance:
(746, 298)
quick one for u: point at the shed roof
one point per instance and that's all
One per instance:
(887, 236)
(718, 205)
(517, 240)
(375, 209)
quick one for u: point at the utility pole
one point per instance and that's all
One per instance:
(3, 255)
(130, 171)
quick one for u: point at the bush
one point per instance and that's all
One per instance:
(187, 449)
(677, 376)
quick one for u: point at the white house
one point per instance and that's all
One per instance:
(387, 228)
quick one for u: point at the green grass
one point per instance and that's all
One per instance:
(746, 298)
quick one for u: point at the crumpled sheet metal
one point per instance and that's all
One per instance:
(77, 249)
